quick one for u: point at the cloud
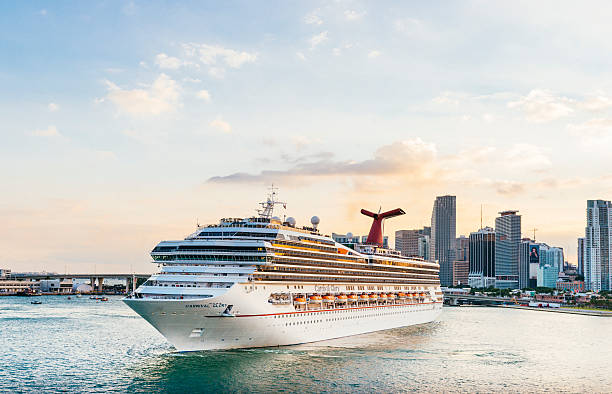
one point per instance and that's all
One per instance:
(50, 131)
(408, 158)
(313, 18)
(52, 107)
(204, 95)
(598, 127)
(168, 62)
(300, 56)
(161, 97)
(352, 15)
(596, 103)
(221, 125)
(509, 187)
(317, 39)
(373, 54)
(527, 156)
(542, 106)
(211, 55)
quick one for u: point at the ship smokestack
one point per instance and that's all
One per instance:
(375, 237)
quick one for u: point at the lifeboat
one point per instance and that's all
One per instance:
(316, 298)
(382, 297)
(422, 295)
(402, 296)
(391, 297)
(364, 297)
(342, 298)
(328, 298)
(373, 297)
(299, 300)
(353, 297)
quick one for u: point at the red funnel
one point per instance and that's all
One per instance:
(375, 237)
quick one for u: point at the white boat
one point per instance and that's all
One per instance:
(261, 281)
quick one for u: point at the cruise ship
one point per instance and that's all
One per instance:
(263, 281)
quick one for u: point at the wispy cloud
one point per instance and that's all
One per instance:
(313, 18)
(168, 62)
(221, 125)
(50, 132)
(52, 107)
(353, 15)
(317, 39)
(204, 95)
(161, 97)
(543, 106)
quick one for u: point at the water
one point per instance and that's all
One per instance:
(84, 345)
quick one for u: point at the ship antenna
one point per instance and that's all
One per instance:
(267, 207)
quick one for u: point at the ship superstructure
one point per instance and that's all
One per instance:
(263, 281)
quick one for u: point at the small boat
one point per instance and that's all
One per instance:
(79, 295)
(36, 302)
(373, 297)
(69, 297)
(299, 300)
(364, 297)
(402, 296)
(103, 298)
(353, 298)
(316, 298)
(328, 298)
(342, 298)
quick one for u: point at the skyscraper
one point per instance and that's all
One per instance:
(461, 264)
(581, 252)
(443, 233)
(508, 233)
(597, 273)
(407, 242)
(482, 258)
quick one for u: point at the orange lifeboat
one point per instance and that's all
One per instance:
(353, 297)
(364, 297)
(342, 298)
(299, 300)
(316, 298)
(402, 296)
(328, 298)
(422, 294)
(391, 297)
(373, 297)
(383, 297)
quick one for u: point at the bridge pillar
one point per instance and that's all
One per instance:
(92, 283)
(100, 284)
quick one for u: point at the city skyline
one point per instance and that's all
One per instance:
(159, 116)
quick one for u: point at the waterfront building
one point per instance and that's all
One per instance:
(508, 233)
(11, 286)
(598, 240)
(5, 273)
(556, 258)
(547, 276)
(424, 246)
(407, 242)
(461, 264)
(574, 286)
(581, 252)
(528, 256)
(443, 233)
(482, 258)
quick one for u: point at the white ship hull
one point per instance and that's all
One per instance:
(200, 324)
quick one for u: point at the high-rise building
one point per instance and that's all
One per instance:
(528, 254)
(482, 258)
(597, 272)
(556, 258)
(443, 233)
(407, 242)
(581, 252)
(461, 264)
(547, 276)
(508, 233)
(424, 243)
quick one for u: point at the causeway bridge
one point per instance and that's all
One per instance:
(96, 280)
(458, 298)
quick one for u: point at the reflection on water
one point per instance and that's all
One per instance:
(83, 345)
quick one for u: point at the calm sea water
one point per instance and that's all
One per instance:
(84, 345)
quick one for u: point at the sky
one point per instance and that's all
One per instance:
(127, 123)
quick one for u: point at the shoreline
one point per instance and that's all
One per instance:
(585, 312)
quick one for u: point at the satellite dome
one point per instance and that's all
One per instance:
(315, 221)
(276, 218)
(291, 221)
(349, 235)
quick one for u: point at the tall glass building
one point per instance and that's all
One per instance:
(443, 234)
(597, 243)
(508, 233)
(482, 258)
(581, 252)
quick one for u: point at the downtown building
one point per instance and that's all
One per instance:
(413, 243)
(482, 258)
(597, 243)
(581, 254)
(443, 234)
(508, 238)
(461, 264)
